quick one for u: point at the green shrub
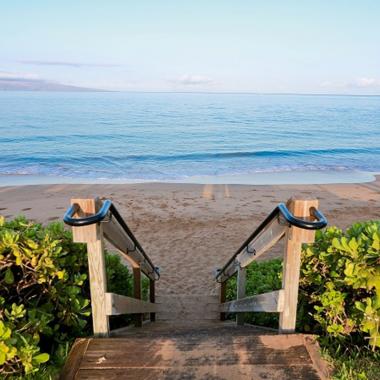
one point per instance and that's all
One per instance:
(339, 295)
(44, 294)
(262, 277)
(340, 284)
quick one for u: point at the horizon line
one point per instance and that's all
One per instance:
(89, 89)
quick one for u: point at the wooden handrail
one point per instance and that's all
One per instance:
(280, 215)
(268, 234)
(94, 234)
(116, 231)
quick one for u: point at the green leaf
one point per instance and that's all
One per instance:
(3, 357)
(360, 306)
(9, 278)
(41, 358)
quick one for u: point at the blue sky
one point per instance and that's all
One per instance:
(227, 46)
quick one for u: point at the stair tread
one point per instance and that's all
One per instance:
(197, 351)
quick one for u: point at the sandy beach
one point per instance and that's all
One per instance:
(189, 230)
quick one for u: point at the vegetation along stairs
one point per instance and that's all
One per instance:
(178, 336)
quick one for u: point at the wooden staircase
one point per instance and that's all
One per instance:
(188, 308)
(189, 336)
(208, 350)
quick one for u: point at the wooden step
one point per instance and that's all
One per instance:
(189, 307)
(188, 351)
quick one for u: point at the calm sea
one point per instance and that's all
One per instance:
(126, 137)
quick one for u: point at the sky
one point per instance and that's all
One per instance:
(281, 46)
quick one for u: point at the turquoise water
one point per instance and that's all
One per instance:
(177, 137)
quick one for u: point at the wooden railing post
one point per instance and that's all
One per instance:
(292, 261)
(93, 236)
(137, 294)
(223, 294)
(152, 297)
(240, 283)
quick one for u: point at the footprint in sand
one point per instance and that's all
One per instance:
(3, 208)
(26, 209)
(54, 218)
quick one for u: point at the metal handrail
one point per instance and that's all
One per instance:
(281, 210)
(108, 208)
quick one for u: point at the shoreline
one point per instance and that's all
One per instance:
(313, 177)
(192, 228)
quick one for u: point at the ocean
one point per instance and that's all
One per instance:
(52, 137)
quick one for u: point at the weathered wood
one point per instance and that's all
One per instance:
(117, 304)
(87, 233)
(292, 261)
(270, 302)
(187, 307)
(240, 291)
(120, 240)
(74, 359)
(152, 297)
(98, 287)
(262, 243)
(137, 288)
(301, 208)
(92, 235)
(216, 350)
(273, 232)
(228, 272)
(223, 294)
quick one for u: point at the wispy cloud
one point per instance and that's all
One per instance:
(69, 64)
(365, 83)
(192, 80)
(6, 75)
(358, 83)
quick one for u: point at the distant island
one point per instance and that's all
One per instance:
(23, 84)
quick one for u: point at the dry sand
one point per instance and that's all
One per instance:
(189, 230)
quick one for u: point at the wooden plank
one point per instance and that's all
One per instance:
(74, 359)
(292, 261)
(98, 286)
(180, 315)
(87, 233)
(262, 243)
(186, 299)
(213, 334)
(92, 235)
(323, 369)
(171, 354)
(117, 304)
(152, 297)
(223, 294)
(257, 247)
(186, 307)
(240, 291)
(137, 292)
(269, 302)
(120, 240)
(207, 371)
(301, 209)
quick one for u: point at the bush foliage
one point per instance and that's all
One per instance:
(340, 284)
(339, 296)
(44, 294)
(262, 277)
(45, 301)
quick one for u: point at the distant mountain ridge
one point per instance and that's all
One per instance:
(19, 84)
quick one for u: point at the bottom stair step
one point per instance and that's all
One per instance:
(209, 351)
